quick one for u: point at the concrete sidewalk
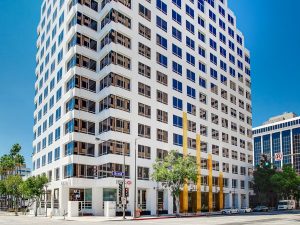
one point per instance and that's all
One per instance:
(129, 218)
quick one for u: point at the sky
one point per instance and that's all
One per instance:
(272, 34)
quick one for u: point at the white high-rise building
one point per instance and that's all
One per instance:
(152, 74)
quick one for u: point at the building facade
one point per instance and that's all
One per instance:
(280, 134)
(150, 75)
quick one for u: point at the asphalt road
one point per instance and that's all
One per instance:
(273, 218)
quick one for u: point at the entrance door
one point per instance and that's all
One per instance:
(142, 200)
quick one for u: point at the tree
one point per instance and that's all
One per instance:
(7, 165)
(33, 188)
(265, 193)
(174, 172)
(286, 182)
(12, 186)
(15, 150)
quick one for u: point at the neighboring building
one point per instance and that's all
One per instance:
(22, 171)
(280, 134)
(165, 72)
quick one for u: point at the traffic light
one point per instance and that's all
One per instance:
(126, 192)
(264, 161)
(121, 189)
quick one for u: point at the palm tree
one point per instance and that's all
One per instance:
(15, 150)
(19, 162)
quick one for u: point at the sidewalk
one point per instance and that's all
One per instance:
(103, 219)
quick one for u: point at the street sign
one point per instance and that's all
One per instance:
(117, 174)
(278, 157)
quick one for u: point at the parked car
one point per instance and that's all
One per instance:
(261, 208)
(245, 210)
(229, 211)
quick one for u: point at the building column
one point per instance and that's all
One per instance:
(221, 193)
(185, 197)
(152, 200)
(97, 201)
(198, 152)
(169, 198)
(64, 198)
(210, 191)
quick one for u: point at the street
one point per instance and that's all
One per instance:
(290, 218)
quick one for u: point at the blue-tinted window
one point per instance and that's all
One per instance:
(202, 67)
(201, 22)
(202, 82)
(161, 41)
(223, 65)
(231, 58)
(189, 11)
(223, 51)
(190, 75)
(177, 68)
(201, 51)
(176, 50)
(177, 139)
(176, 17)
(222, 24)
(191, 92)
(222, 38)
(213, 59)
(190, 27)
(177, 85)
(161, 59)
(230, 32)
(177, 3)
(212, 44)
(212, 16)
(177, 103)
(162, 6)
(177, 121)
(190, 43)
(162, 24)
(190, 59)
(213, 73)
(176, 34)
(201, 36)
(212, 30)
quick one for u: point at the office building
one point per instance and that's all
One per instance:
(159, 73)
(280, 135)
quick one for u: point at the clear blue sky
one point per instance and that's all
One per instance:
(271, 28)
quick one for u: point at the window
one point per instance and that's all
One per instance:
(176, 17)
(144, 50)
(162, 135)
(144, 90)
(161, 6)
(144, 12)
(144, 70)
(177, 85)
(177, 139)
(162, 24)
(177, 103)
(177, 121)
(161, 41)
(162, 116)
(162, 60)
(144, 131)
(144, 110)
